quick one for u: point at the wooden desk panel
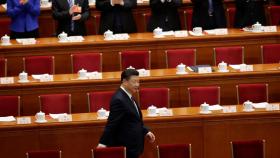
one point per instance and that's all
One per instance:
(178, 85)
(138, 41)
(209, 134)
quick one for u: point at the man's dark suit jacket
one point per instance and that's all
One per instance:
(201, 16)
(124, 126)
(111, 16)
(60, 9)
(165, 15)
(3, 1)
(248, 12)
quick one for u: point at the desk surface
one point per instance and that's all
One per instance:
(209, 134)
(178, 85)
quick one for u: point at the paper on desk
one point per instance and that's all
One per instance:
(7, 119)
(37, 77)
(260, 105)
(56, 116)
(236, 67)
(168, 33)
(215, 107)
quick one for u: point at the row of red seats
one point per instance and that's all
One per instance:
(239, 149)
(61, 103)
(141, 59)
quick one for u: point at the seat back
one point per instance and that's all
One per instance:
(199, 95)
(231, 17)
(177, 56)
(253, 92)
(146, 19)
(230, 55)
(9, 106)
(109, 152)
(3, 67)
(174, 151)
(39, 64)
(270, 53)
(5, 24)
(98, 100)
(88, 61)
(55, 103)
(44, 154)
(188, 14)
(158, 97)
(137, 59)
(274, 15)
(248, 149)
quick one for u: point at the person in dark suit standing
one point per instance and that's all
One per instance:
(71, 16)
(125, 126)
(165, 15)
(116, 15)
(248, 12)
(208, 14)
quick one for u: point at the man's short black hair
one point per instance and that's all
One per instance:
(127, 73)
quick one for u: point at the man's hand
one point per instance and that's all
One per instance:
(120, 2)
(151, 137)
(101, 146)
(77, 17)
(23, 2)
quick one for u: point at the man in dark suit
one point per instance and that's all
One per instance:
(71, 16)
(125, 126)
(248, 12)
(116, 15)
(208, 14)
(165, 15)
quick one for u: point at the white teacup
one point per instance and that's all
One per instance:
(108, 35)
(248, 105)
(44, 2)
(152, 110)
(40, 116)
(23, 76)
(101, 113)
(5, 39)
(222, 66)
(243, 67)
(197, 30)
(62, 37)
(257, 27)
(82, 73)
(157, 31)
(181, 68)
(204, 107)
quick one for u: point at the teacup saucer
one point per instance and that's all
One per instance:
(102, 118)
(23, 81)
(223, 70)
(158, 36)
(205, 112)
(181, 73)
(248, 110)
(152, 115)
(43, 121)
(63, 41)
(6, 44)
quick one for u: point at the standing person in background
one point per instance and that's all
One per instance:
(24, 18)
(116, 15)
(165, 15)
(208, 14)
(248, 12)
(71, 16)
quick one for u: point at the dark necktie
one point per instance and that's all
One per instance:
(135, 105)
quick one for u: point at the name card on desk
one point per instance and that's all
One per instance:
(64, 118)
(24, 120)
(270, 29)
(202, 70)
(272, 107)
(7, 80)
(221, 31)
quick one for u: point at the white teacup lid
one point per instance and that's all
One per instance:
(108, 31)
(204, 104)
(101, 109)
(6, 36)
(40, 112)
(248, 102)
(23, 73)
(82, 70)
(152, 107)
